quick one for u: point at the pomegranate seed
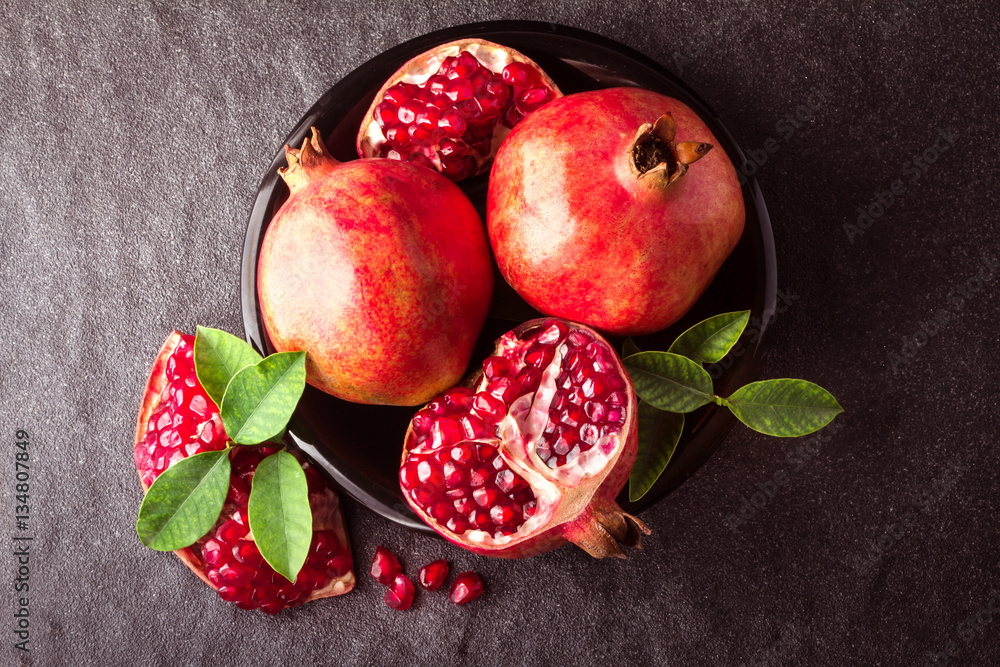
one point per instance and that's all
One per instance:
(465, 64)
(485, 496)
(529, 378)
(518, 74)
(466, 588)
(400, 593)
(505, 514)
(480, 476)
(539, 355)
(445, 432)
(458, 90)
(340, 565)
(400, 92)
(457, 524)
(458, 398)
(489, 407)
(386, 114)
(452, 123)
(455, 476)
(463, 454)
(408, 110)
(495, 367)
(231, 531)
(385, 567)
(212, 552)
(442, 511)
(533, 98)
(246, 552)
(433, 574)
(438, 84)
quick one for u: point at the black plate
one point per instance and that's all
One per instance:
(359, 445)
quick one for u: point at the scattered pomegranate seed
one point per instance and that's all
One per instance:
(400, 593)
(466, 588)
(433, 574)
(385, 567)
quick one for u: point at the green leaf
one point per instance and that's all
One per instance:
(785, 408)
(261, 398)
(217, 358)
(669, 381)
(709, 341)
(184, 502)
(279, 513)
(629, 348)
(659, 433)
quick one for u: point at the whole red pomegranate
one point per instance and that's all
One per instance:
(450, 108)
(596, 214)
(177, 419)
(380, 271)
(534, 454)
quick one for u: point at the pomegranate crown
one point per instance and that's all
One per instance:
(657, 157)
(307, 164)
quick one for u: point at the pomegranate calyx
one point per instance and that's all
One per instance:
(308, 164)
(655, 156)
(605, 529)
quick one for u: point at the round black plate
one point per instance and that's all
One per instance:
(359, 445)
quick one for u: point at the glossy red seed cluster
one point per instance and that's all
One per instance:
(468, 485)
(234, 565)
(466, 588)
(185, 421)
(589, 403)
(455, 110)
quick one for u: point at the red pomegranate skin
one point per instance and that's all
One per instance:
(580, 236)
(382, 273)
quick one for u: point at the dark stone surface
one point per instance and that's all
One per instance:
(132, 142)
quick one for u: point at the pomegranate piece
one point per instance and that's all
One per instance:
(374, 260)
(466, 588)
(450, 108)
(385, 567)
(624, 182)
(549, 438)
(177, 419)
(433, 574)
(400, 593)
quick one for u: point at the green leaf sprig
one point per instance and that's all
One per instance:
(256, 397)
(672, 383)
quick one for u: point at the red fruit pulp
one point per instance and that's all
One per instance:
(178, 419)
(595, 216)
(385, 567)
(535, 454)
(450, 108)
(433, 574)
(466, 588)
(400, 593)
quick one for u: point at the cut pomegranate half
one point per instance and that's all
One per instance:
(177, 419)
(535, 454)
(450, 108)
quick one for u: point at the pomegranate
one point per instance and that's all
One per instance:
(433, 574)
(596, 214)
(467, 587)
(451, 107)
(177, 419)
(380, 271)
(399, 595)
(534, 454)
(385, 567)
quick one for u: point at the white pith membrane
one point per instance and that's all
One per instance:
(420, 69)
(519, 433)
